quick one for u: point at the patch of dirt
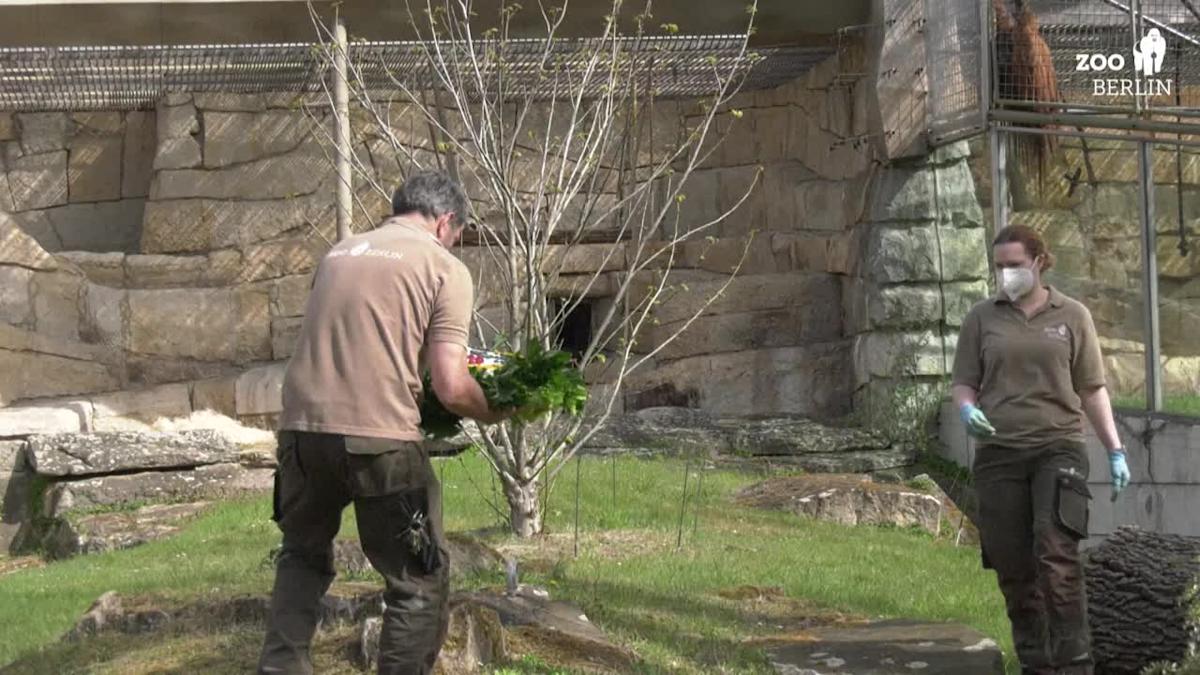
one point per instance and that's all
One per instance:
(8, 564)
(561, 650)
(778, 493)
(771, 615)
(543, 551)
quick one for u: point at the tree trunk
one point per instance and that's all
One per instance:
(1140, 603)
(524, 508)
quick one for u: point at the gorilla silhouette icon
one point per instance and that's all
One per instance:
(1149, 52)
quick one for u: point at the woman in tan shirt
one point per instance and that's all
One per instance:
(1027, 370)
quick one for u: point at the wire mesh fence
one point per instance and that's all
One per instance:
(1119, 55)
(123, 78)
(955, 33)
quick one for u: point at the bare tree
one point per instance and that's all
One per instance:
(561, 143)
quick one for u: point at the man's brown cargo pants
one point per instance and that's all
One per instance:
(392, 489)
(1033, 510)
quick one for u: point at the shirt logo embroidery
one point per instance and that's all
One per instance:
(364, 248)
(1058, 332)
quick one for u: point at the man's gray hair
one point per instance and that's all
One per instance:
(432, 193)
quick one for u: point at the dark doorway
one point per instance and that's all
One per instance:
(574, 331)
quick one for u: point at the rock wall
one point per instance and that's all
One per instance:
(77, 181)
(775, 341)
(846, 264)
(922, 265)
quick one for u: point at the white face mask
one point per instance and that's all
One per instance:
(1016, 282)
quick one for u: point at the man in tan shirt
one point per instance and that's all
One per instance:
(382, 303)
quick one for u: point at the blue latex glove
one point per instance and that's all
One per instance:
(977, 423)
(1119, 470)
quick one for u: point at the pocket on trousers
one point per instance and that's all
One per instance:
(1071, 504)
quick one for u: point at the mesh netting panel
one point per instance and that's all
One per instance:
(117, 78)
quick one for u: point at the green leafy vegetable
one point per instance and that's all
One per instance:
(535, 381)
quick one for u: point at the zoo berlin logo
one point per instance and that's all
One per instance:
(1148, 56)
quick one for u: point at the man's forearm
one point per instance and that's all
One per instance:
(471, 402)
(1098, 409)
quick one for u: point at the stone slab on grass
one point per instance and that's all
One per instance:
(895, 647)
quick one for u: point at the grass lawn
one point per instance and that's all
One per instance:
(1178, 404)
(682, 609)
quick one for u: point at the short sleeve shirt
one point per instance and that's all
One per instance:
(1029, 371)
(377, 299)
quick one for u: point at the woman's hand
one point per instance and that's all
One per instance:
(977, 423)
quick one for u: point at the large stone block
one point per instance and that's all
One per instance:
(230, 102)
(101, 268)
(284, 333)
(56, 303)
(289, 295)
(585, 258)
(200, 225)
(166, 271)
(903, 193)
(284, 177)
(216, 394)
(260, 391)
(141, 141)
(111, 411)
(813, 253)
(285, 257)
(1060, 228)
(104, 310)
(98, 123)
(1111, 211)
(8, 127)
(15, 304)
(237, 137)
(721, 333)
(43, 131)
(151, 370)
(37, 225)
(906, 354)
(38, 181)
(28, 420)
(751, 292)
(897, 254)
(203, 324)
(104, 452)
(756, 255)
(819, 204)
(177, 125)
(94, 169)
(101, 227)
(810, 380)
(12, 458)
(176, 153)
(920, 305)
(214, 480)
(224, 267)
(957, 200)
(963, 253)
(17, 247)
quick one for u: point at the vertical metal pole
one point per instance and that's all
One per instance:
(1135, 12)
(985, 62)
(1150, 274)
(998, 140)
(341, 116)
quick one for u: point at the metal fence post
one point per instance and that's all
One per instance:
(1150, 274)
(341, 116)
